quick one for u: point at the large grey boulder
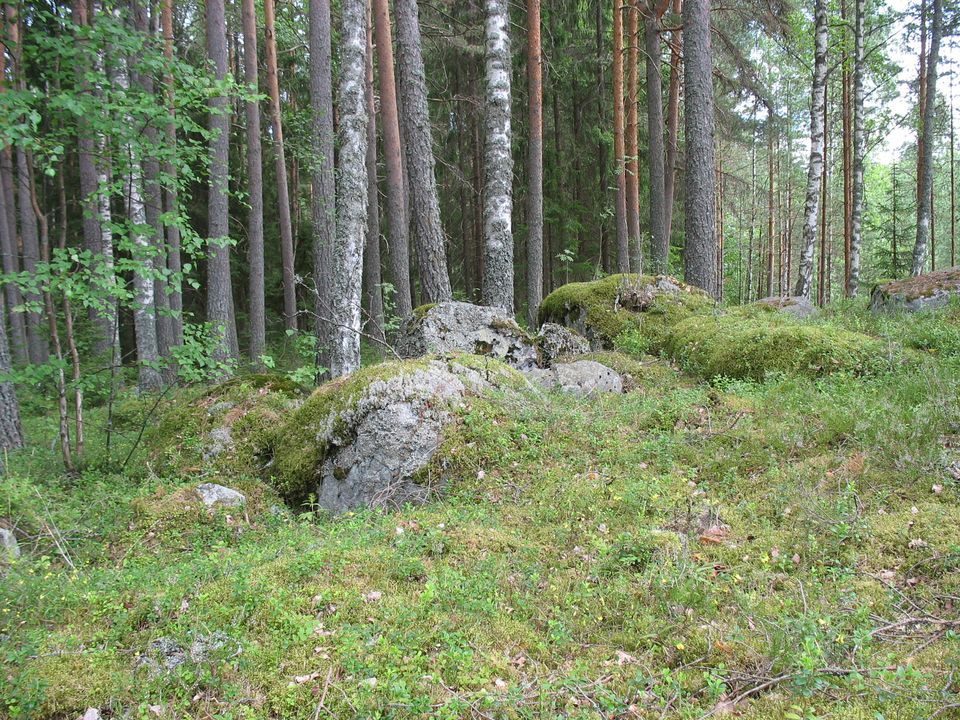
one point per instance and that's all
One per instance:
(9, 547)
(583, 378)
(215, 496)
(924, 292)
(555, 341)
(462, 327)
(795, 305)
(373, 434)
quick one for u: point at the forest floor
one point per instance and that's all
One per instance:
(778, 549)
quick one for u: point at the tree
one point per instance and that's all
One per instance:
(534, 164)
(699, 257)
(393, 160)
(859, 148)
(498, 162)
(623, 245)
(323, 199)
(422, 182)
(925, 142)
(11, 434)
(673, 127)
(371, 255)
(258, 328)
(659, 241)
(283, 194)
(351, 192)
(818, 100)
(170, 203)
(219, 288)
(631, 148)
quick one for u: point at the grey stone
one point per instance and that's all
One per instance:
(554, 341)
(930, 291)
(220, 408)
(795, 305)
(9, 547)
(377, 448)
(463, 327)
(582, 378)
(163, 654)
(221, 440)
(214, 495)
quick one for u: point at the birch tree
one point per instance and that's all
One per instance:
(815, 167)
(859, 147)
(498, 162)
(351, 192)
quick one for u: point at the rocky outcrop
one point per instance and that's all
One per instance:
(793, 305)
(582, 378)
(555, 341)
(462, 327)
(366, 440)
(923, 292)
(215, 496)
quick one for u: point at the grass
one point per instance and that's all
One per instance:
(655, 554)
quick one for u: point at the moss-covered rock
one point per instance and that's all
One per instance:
(739, 345)
(639, 307)
(930, 291)
(364, 439)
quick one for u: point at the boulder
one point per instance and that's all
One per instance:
(641, 308)
(462, 327)
(794, 305)
(214, 496)
(923, 292)
(555, 341)
(366, 440)
(582, 378)
(9, 547)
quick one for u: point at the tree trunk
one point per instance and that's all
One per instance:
(11, 260)
(925, 138)
(673, 126)
(283, 194)
(498, 161)
(371, 256)
(534, 165)
(632, 179)
(659, 240)
(815, 168)
(699, 255)
(847, 113)
(859, 148)
(399, 242)
(257, 307)
(37, 346)
(219, 287)
(623, 242)
(11, 434)
(424, 201)
(170, 204)
(351, 192)
(323, 198)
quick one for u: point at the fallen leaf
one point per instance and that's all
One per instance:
(301, 679)
(937, 489)
(917, 543)
(372, 596)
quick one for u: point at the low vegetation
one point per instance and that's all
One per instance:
(786, 543)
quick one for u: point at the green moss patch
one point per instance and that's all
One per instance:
(744, 346)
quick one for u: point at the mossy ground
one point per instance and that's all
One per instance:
(569, 572)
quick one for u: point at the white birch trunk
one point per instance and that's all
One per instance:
(351, 192)
(815, 168)
(498, 159)
(859, 150)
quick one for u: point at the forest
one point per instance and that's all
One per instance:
(475, 358)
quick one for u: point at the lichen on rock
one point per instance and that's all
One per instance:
(931, 291)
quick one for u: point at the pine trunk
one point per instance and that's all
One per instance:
(659, 241)
(534, 165)
(257, 302)
(170, 202)
(371, 256)
(631, 141)
(699, 257)
(925, 136)
(623, 237)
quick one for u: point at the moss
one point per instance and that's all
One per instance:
(750, 347)
(636, 372)
(420, 312)
(598, 307)
(922, 286)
